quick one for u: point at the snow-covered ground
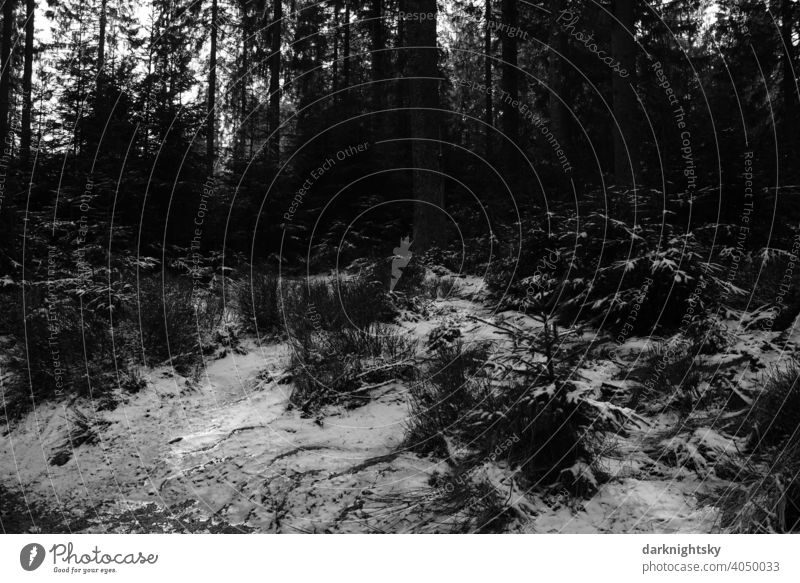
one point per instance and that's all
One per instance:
(225, 452)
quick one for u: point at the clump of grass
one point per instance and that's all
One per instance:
(441, 286)
(209, 311)
(334, 304)
(450, 391)
(341, 367)
(169, 330)
(83, 429)
(776, 411)
(474, 503)
(767, 495)
(258, 297)
(766, 498)
(671, 371)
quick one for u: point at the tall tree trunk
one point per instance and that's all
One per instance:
(346, 63)
(379, 100)
(559, 116)
(77, 138)
(623, 48)
(243, 80)
(212, 91)
(428, 185)
(101, 46)
(378, 55)
(789, 85)
(335, 80)
(274, 111)
(5, 65)
(509, 81)
(509, 96)
(488, 115)
(27, 75)
(400, 121)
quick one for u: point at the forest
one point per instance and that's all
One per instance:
(483, 265)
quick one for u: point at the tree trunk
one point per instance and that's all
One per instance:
(335, 73)
(378, 122)
(509, 81)
(559, 116)
(101, 46)
(5, 66)
(346, 63)
(789, 88)
(27, 75)
(77, 139)
(212, 92)
(428, 185)
(243, 78)
(623, 48)
(488, 115)
(378, 55)
(274, 111)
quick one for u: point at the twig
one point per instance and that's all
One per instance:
(387, 365)
(368, 388)
(514, 330)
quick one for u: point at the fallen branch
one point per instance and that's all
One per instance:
(367, 388)
(385, 366)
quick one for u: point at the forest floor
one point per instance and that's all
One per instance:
(226, 452)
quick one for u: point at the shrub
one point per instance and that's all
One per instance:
(421, 277)
(332, 305)
(59, 347)
(340, 367)
(765, 278)
(670, 371)
(476, 505)
(776, 411)
(450, 391)
(766, 497)
(647, 272)
(440, 286)
(552, 428)
(550, 425)
(168, 322)
(258, 299)
(209, 310)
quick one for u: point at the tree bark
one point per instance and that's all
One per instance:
(623, 48)
(428, 185)
(789, 88)
(509, 81)
(346, 63)
(212, 92)
(5, 65)
(335, 67)
(488, 115)
(101, 45)
(274, 110)
(378, 55)
(378, 122)
(27, 75)
(559, 116)
(244, 76)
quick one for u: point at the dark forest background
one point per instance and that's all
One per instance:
(180, 145)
